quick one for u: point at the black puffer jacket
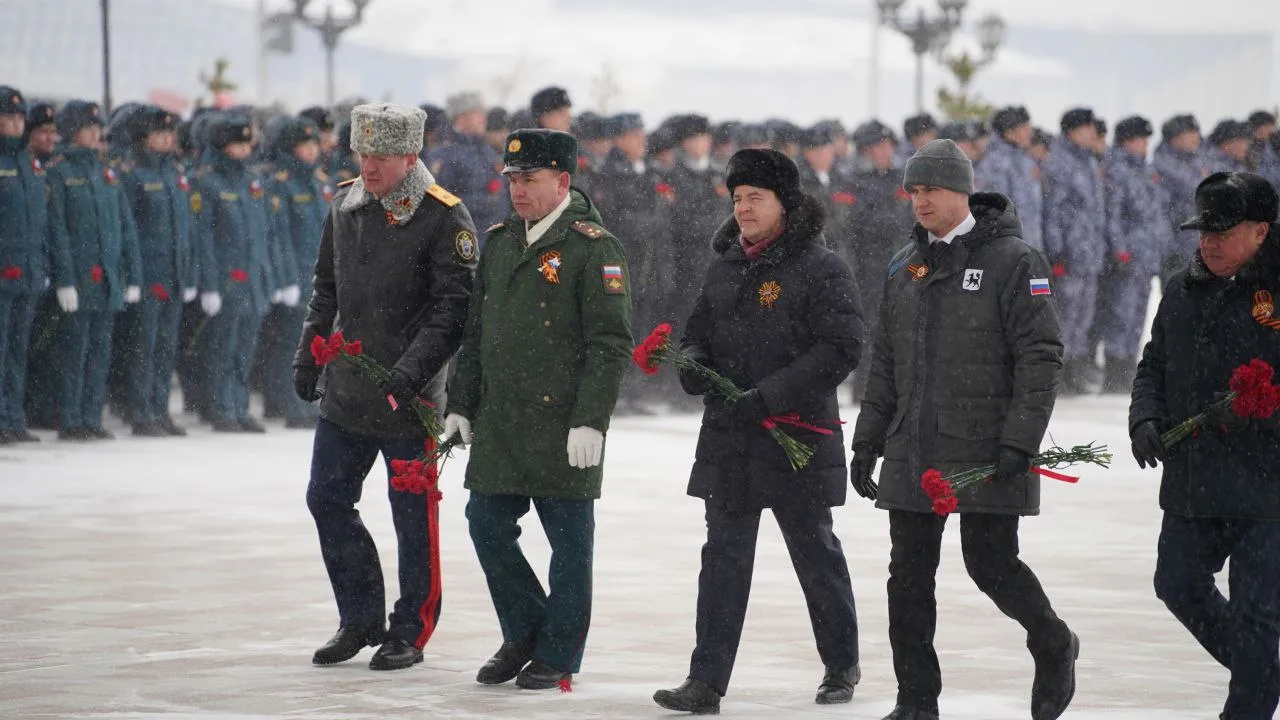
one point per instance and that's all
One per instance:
(966, 360)
(788, 323)
(1205, 329)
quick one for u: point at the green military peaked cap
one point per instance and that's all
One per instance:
(540, 149)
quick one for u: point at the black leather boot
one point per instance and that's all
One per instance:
(837, 686)
(906, 712)
(346, 644)
(693, 696)
(395, 654)
(1055, 682)
(541, 676)
(506, 663)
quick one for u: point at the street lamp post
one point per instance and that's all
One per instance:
(927, 34)
(330, 29)
(884, 9)
(106, 56)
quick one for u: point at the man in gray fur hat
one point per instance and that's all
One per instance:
(964, 370)
(394, 273)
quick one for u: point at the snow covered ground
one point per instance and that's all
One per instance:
(182, 579)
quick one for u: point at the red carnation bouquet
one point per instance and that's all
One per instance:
(418, 475)
(1251, 397)
(942, 490)
(657, 350)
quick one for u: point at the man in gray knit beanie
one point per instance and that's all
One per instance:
(942, 164)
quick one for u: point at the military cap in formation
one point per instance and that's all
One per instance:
(1177, 125)
(39, 114)
(1077, 117)
(320, 117)
(1226, 199)
(463, 103)
(817, 136)
(917, 125)
(436, 117)
(753, 135)
(662, 139)
(77, 115)
(960, 131)
(1133, 127)
(1228, 130)
(1008, 118)
(726, 132)
(497, 119)
(1259, 118)
(344, 135)
(590, 126)
(684, 127)
(287, 132)
(627, 122)
(521, 118)
(533, 149)
(549, 100)
(872, 132)
(11, 101)
(227, 128)
(1040, 136)
(769, 170)
(783, 132)
(386, 129)
(1101, 126)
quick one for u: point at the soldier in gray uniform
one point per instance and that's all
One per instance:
(1228, 148)
(1181, 168)
(1008, 169)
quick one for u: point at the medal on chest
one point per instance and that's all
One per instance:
(255, 190)
(918, 272)
(549, 266)
(1264, 309)
(769, 293)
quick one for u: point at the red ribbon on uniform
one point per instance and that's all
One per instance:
(13, 272)
(239, 276)
(1054, 475)
(95, 274)
(793, 419)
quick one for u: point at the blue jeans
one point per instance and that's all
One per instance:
(1243, 633)
(558, 619)
(340, 462)
(17, 313)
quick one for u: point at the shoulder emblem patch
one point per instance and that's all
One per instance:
(445, 197)
(495, 226)
(1040, 286)
(465, 244)
(611, 276)
(197, 202)
(589, 229)
(972, 280)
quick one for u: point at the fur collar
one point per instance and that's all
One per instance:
(401, 203)
(1264, 270)
(804, 227)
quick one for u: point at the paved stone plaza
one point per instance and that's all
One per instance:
(182, 579)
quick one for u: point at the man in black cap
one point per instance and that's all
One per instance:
(968, 136)
(546, 345)
(327, 125)
(1181, 167)
(779, 315)
(435, 131)
(724, 143)
(972, 303)
(917, 131)
(1228, 149)
(1138, 232)
(1041, 140)
(1262, 125)
(1218, 490)
(784, 136)
(595, 140)
(878, 219)
(701, 203)
(1007, 169)
(1075, 238)
(42, 132)
(23, 266)
(497, 126)
(817, 166)
(551, 109)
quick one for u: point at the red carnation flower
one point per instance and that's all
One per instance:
(1255, 396)
(160, 292)
(323, 351)
(240, 276)
(95, 274)
(944, 506)
(1059, 270)
(934, 486)
(12, 272)
(355, 348)
(495, 186)
(642, 355)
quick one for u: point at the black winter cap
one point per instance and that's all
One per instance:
(1101, 126)
(870, 133)
(497, 119)
(816, 136)
(1076, 117)
(549, 100)
(725, 132)
(1177, 125)
(687, 126)
(590, 126)
(1228, 130)
(226, 129)
(11, 101)
(625, 123)
(1258, 118)
(767, 169)
(77, 115)
(322, 118)
(1226, 199)
(540, 149)
(39, 114)
(1008, 118)
(436, 117)
(1133, 127)
(290, 132)
(917, 125)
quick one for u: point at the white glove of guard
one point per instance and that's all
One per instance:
(189, 294)
(211, 303)
(68, 299)
(455, 424)
(585, 447)
(277, 296)
(132, 294)
(290, 296)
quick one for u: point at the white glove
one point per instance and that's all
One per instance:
(585, 447)
(276, 297)
(189, 294)
(132, 294)
(68, 299)
(290, 296)
(211, 303)
(455, 424)
(47, 282)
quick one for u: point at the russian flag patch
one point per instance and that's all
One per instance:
(611, 275)
(1040, 286)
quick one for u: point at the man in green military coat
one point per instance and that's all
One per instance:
(546, 345)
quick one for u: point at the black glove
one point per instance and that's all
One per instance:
(860, 471)
(400, 387)
(749, 408)
(694, 382)
(305, 379)
(1012, 465)
(1222, 419)
(1148, 448)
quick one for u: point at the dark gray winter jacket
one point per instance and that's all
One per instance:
(966, 359)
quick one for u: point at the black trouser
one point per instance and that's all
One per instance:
(1243, 633)
(724, 585)
(990, 546)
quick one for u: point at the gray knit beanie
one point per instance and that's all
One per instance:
(942, 164)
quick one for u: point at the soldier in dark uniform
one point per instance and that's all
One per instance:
(299, 201)
(546, 346)
(552, 109)
(436, 130)
(595, 139)
(41, 132)
(23, 269)
(467, 165)
(237, 277)
(1228, 149)
(917, 131)
(879, 219)
(1262, 125)
(97, 269)
(497, 125)
(662, 150)
(158, 192)
(817, 164)
(724, 143)
(701, 202)
(325, 123)
(784, 136)
(1041, 141)
(343, 166)
(394, 272)
(1181, 166)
